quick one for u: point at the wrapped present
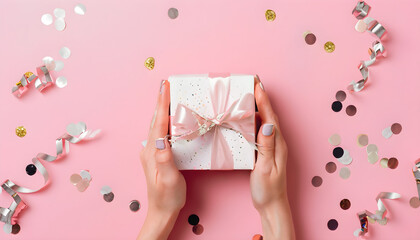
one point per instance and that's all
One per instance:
(212, 121)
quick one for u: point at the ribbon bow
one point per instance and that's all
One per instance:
(239, 117)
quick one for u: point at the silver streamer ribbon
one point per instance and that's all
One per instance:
(8, 215)
(379, 216)
(374, 27)
(416, 172)
(42, 81)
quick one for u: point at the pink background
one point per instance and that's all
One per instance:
(109, 88)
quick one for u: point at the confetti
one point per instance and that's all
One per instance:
(198, 229)
(149, 63)
(60, 24)
(384, 162)
(75, 178)
(336, 106)
(329, 47)
(379, 216)
(332, 224)
(393, 163)
(257, 237)
(9, 215)
(172, 13)
(310, 38)
(372, 151)
(30, 169)
(351, 110)
(414, 202)
(80, 9)
(331, 167)
(65, 52)
(362, 140)
(344, 173)
(396, 128)
(105, 190)
(338, 152)
(340, 96)
(47, 19)
(193, 219)
(81, 181)
(335, 139)
(61, 82)
(387, 133)
(270, 15)
(59, 13)
(107, 193)
(20, 131)
(316, 181)
(346, 159)
(134, 205)
(15, 228)
(345, 204)
(360, 11)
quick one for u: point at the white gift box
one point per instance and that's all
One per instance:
(196, 93)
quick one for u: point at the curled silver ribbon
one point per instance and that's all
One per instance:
(8, 215)
(416, 172)
(374, 27)
(42, 81)
(379, 216)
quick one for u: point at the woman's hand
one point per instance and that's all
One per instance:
(268, 179)
(166, 187)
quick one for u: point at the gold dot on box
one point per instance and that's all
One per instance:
(28, 74)
(270, 15)
(329, 47)
(21, 131)
(149, 63)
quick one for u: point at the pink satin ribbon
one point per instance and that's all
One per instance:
(239, 116)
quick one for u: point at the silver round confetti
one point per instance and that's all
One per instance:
(384, 162)
(59, 13)
(105, 190)
(60, 24)
(85, 175)
(346, 159)
(80, 9)
(47, 60)
(344, 173)
(7, 228)
(134, 205)
(59, 65)
(373, 157)
(371, 148)
(61, 82)
(47, 19)
(387, 132)
(65, 52)
(173, 13)
(335, 139)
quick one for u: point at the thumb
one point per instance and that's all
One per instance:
(265, 140)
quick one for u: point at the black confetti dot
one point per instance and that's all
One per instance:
(345, 204)
(193, 219)
(31, 169)
(332, 224)
(338, 152)
(336, 106)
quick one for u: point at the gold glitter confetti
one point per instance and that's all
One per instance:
(329, 47)
(270, 15)
(149, 63)
(28, 74)
(21, 131)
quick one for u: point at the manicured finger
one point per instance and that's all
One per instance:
(159, 127)
(164, 160)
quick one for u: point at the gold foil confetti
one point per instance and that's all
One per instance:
(329, 47)
(149, 63)
(270, 15)
(362, 140)
(21, 131)
(335, 139)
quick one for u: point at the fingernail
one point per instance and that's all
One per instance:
(160, 143)
(267, 129)
(261, 86)
(162, 86)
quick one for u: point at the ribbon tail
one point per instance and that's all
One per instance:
(221, 157)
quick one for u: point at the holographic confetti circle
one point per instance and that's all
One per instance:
(61, 82)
